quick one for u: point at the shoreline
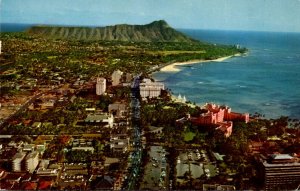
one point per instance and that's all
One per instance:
(173, 66)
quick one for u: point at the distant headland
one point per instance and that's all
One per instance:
(156, 31)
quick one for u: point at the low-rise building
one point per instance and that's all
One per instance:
(105, 119)
(255, 147)
(48, 104)
(119, 145)
(83, 148)
(118, 109)
(47, 172)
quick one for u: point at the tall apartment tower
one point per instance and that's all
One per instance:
(100, 86)
(32, 160)
(17, 161)
(0, 47)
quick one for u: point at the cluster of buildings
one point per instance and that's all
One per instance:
(28, 168)
(117, 77)
(24, 167)
(148, 88)
(25, 161)
(21, 160)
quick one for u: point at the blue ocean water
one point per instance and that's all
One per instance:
(266, 80)
(13, 27)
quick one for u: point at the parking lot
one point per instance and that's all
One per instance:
(197, 163)
(155, 175)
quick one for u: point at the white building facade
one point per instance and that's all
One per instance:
(100, 86)
(116, 77)
(151, 89)
(32, 161)
(17, 162)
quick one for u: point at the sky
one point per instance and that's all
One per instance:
(249, 15)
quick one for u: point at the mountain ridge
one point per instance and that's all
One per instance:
(156, 31)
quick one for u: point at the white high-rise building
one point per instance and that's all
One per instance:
(32, 160)
(17, 162)
(0, 46)
(116, 77)
(100, 86)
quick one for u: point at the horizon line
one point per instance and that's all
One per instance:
(178, 28)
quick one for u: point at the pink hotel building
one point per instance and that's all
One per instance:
(220, 115)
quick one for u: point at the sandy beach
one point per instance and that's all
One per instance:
(173, 67)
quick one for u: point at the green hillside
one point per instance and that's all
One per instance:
(157, 31)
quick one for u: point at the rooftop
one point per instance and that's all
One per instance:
(96, 117)
(32, 155)
(281, 157)
(19, 156)
(117, 106)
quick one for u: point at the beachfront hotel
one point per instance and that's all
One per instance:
(150, 89)
(219, 115)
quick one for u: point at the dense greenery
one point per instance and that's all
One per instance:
(78, 156)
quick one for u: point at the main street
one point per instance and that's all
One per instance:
(137, 146)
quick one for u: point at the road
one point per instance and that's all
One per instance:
(130, 183)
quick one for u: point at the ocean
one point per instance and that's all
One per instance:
(266, 80)
(13, 27)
